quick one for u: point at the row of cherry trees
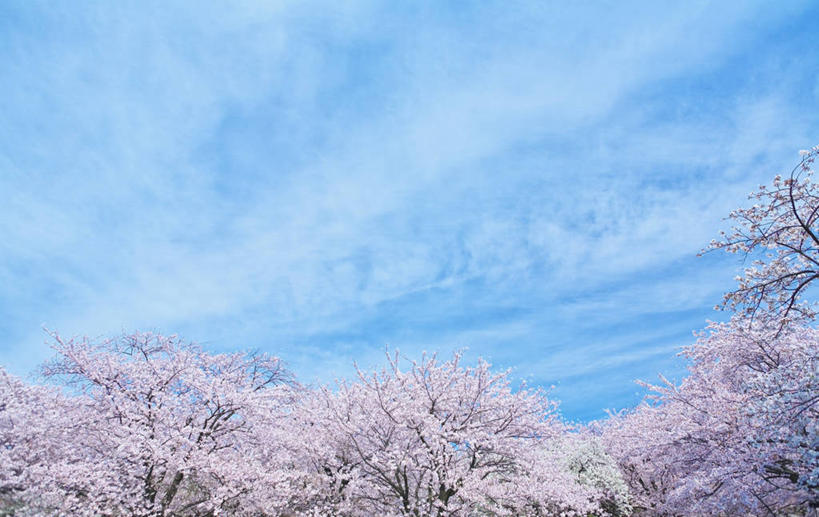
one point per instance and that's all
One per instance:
(148, 425)
(151, 426)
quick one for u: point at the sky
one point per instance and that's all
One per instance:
(530, 182)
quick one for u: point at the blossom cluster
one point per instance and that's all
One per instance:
(739, 435)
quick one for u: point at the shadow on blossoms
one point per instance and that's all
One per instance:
(149, 425)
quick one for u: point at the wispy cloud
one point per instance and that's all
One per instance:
(319, 180)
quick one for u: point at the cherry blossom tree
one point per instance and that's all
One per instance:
(14, 396)
(22, 447)
(738, 436)
(439, 438)
(43, 468)
(783, 227)
(167, 429)
(584, 455)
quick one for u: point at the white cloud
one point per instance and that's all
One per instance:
(271, 173)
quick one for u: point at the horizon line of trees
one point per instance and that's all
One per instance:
(151, 426)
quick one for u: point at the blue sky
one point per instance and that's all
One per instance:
(530, 180)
